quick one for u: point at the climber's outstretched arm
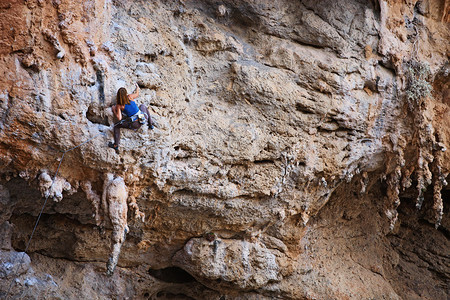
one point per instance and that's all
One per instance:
(135, 94)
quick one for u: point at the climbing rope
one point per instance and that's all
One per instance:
(45, 202)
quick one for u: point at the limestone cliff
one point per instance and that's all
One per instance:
(300, 150)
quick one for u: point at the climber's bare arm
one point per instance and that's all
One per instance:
(135, 94)
(117, 112)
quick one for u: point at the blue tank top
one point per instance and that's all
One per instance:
(130, 109)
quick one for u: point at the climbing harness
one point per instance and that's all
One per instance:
(142, 118)
(45, 202)
(139, 116)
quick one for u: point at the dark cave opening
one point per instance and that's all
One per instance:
(172, 275)
(167, 295)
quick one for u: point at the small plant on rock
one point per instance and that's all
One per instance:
(418, 86)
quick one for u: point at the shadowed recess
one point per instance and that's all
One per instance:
(172, 275)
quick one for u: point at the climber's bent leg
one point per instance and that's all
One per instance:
(125, 124)
(144, 109)
(135, 125)
(117, 135)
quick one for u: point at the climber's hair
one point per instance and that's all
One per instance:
(122, 96)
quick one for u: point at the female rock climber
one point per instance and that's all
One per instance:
(134, 116)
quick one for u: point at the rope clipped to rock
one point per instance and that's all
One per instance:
(45, 203)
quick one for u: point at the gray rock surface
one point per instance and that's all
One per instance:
(294, 140)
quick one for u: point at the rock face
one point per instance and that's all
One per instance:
(300, 150)
(114, 202)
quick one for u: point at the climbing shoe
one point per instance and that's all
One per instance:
(114, 146)
(151, 123)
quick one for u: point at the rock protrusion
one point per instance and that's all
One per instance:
(53, 188)
(211, 263)
(114, 201)
(94, 198)
(51, 38)
(13, 264)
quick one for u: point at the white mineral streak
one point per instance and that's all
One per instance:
(94, 198)
(114, 199)
(54, 190)
(134, 206)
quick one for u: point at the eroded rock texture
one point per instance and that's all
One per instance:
(300, 150)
